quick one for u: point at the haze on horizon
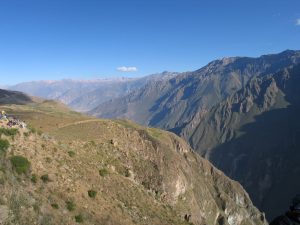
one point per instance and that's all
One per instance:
(57, 39)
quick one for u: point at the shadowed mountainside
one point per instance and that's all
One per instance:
(253, 137)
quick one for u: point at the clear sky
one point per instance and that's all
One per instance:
(86, 39)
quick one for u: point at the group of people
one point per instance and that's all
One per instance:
(3, 115)
(12, 121)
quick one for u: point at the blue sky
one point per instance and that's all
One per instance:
(87, 39)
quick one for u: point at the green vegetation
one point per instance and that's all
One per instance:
(93, 143)
(103, 172)
(92, 193)
(34, 130)
(34, 178)
(71, 153)
(45, 178)
(26, 134)
(48, 160)
(20, 164)
(55, 206)
(70, 205)
(79, 218)
(127, 124)
(154, 132)
(126, 173)
(120, 168)
(4, 145)
(31, 129)
(8, 132)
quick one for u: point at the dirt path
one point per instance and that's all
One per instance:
(78, 122)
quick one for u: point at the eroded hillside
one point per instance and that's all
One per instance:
(90, 171)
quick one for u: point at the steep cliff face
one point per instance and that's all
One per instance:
(172, 103)
(111, 172)
(219, 123)
(253, 137)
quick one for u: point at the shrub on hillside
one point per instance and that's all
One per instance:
(26, 134)
(93, 143)
(32, 129)
(71, 153)
(8, 132)
(4, 145)
(20, 164)
(55, 206)
(103, 172)
(79, 218)
(45, 178)
(70, 205)
(33, 178)
(126, 172)
(92, 193)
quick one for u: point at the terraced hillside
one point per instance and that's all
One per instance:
(67, 168)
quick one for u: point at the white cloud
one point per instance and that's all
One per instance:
(127, 69)
(298, 22)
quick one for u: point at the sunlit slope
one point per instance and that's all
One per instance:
(94, 171)
(45, 115)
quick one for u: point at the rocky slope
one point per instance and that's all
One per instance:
(91, 171)
(84, 95)
(253, 136)
(171, 104)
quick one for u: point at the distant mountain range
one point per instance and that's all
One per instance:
(240, 113)
(84, 95)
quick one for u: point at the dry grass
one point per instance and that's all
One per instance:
(145, 170)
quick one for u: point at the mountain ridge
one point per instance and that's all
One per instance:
(197, 91)
(264, 112)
